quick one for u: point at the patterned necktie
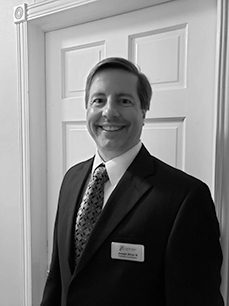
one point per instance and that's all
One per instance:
(90, 209)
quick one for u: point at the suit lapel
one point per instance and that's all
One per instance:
(137, 180)
(72, 199)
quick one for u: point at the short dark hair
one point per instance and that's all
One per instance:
(144, 89)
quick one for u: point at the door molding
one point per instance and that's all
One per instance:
(222, 139)
(32, 22)
(23, 102)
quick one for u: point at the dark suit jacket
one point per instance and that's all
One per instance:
(155, 205)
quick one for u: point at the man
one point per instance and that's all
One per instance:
(155, 240)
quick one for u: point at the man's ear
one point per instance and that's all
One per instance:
(144, 113)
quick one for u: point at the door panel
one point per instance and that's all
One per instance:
(174, 44)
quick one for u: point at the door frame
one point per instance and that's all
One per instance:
(32, 22)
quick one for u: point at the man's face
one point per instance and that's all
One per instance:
(114, 114)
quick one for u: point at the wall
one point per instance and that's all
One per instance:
(11, 290)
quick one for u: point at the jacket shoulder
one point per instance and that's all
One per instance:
(76, 170)
(176, 178)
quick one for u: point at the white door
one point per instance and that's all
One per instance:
(174, 44)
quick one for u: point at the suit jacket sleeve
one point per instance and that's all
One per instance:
(52, 290)
(193, 256)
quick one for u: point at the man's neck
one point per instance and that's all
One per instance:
(109, 155)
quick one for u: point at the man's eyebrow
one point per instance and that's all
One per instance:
(97, 94)
(125, 94)
(100, 93)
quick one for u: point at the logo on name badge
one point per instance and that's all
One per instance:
(127, 251)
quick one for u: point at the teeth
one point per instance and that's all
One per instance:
(111, 128)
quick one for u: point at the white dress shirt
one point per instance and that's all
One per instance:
(116, 167)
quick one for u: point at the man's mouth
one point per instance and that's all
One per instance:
(111, 128)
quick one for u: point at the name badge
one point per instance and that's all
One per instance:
(127, 251)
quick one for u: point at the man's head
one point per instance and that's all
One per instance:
(115, 106)
(143, 86)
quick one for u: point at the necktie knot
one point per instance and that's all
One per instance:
(100, 174)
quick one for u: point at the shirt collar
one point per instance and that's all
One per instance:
(117, 166)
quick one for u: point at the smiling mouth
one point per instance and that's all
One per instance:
(111, 128)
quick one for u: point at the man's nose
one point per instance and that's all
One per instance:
(110, 109)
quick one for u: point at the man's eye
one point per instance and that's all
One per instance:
(97, 101)
(126, 102)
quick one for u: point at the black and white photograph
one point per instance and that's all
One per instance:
(114, 153)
